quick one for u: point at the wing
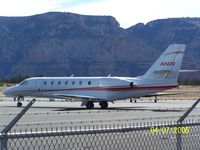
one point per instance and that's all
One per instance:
(76, 97)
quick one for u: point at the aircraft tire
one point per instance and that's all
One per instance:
(19, 104)
(90, 105)
(103, 105)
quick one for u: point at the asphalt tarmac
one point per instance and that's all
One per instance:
(60, 115)
(50, 115)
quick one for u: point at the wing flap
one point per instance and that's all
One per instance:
(65, 96)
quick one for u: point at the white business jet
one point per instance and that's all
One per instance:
(161, 76)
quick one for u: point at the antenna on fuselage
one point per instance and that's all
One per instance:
(109, 75)
(72, 75)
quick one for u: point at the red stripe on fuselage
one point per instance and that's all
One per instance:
(109, 88)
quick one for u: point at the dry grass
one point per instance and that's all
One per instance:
(189, 87)
(186, 92)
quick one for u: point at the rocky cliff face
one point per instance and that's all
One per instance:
(61, 44)
(160, 33)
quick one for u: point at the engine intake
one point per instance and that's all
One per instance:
(131, 84)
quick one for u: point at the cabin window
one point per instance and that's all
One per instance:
(73, 82)
(45, 82)
(59, 82)
(66, 82)
(52, 82)
(89, 82)
(80, 82)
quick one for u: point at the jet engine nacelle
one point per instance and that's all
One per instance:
(131, 84)
(115, 82)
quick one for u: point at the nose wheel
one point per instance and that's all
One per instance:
(19, 104)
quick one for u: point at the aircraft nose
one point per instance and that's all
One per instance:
(8, 91)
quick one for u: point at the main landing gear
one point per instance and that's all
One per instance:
(90, 105)
(131, 100)
(103, 104)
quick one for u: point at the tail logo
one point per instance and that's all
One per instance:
(167, 63)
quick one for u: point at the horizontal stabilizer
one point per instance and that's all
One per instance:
(162, 71)
(168, 65)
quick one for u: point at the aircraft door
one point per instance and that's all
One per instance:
(39, 84)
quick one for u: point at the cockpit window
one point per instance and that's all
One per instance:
(24, 83)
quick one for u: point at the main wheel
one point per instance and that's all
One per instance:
(103, 105)
(90, 105)
(19, 104)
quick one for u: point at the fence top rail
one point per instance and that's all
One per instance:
(93, 130)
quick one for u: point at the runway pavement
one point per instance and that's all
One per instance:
(47, 115)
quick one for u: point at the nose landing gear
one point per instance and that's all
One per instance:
(19, 103)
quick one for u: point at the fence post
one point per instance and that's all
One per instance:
(4, 132)
(16, 119)
(3, 142)
(180, 120)
(179, 140)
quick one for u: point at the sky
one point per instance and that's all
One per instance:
(127, 12)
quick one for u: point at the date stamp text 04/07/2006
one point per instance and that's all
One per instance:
(167, 130)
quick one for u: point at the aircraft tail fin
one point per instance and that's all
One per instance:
(168, 65)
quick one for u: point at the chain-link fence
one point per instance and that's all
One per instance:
(148, 136)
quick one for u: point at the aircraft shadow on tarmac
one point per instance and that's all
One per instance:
(83, 108)
(122, 108)
(168, 110)
(57, 108)
(108, 109)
